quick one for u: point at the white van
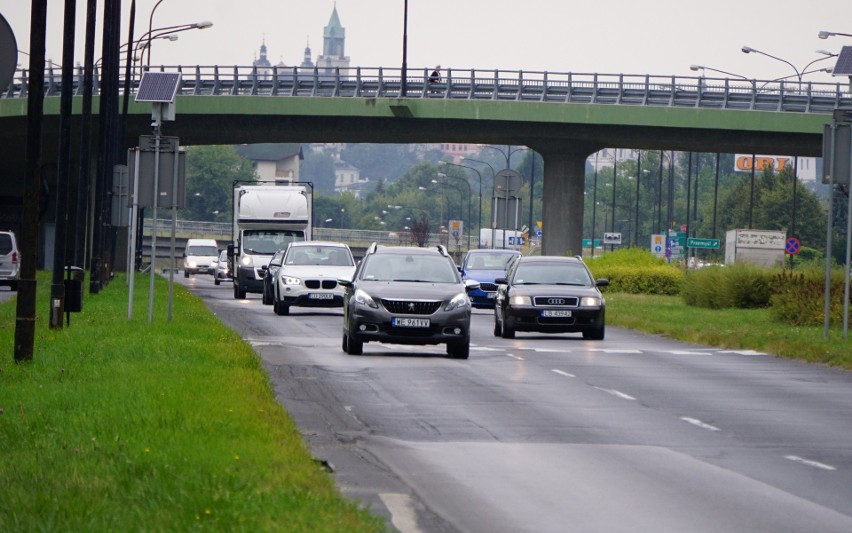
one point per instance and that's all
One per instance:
(10, 260)
(199, 255)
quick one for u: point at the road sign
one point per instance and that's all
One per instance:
(693, 242)
(793, 246)
(612, 238)
(587, 243)
(516, 240)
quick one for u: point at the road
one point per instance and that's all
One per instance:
(552, 433)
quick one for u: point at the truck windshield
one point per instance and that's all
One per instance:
(202, 250)
(267, 242)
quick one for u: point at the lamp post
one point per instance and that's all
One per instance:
(469, 194)
(508, 155)
(826, 34)
(703, 67)
(167, 30)
(479, 177)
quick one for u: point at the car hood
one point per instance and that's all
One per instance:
(396, 290)
(484, 275)
(318, 271)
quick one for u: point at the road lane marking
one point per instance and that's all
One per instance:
(613, 350)
(566, 374)
(743, 352)
(808, 462)
(402, 512)
(486, 348)
(687, 352)
(513, 356)
(617, 394)
(699, 423)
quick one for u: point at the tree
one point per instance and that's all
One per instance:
(420, 231)
(210, 175)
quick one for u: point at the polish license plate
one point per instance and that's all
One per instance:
(556, 313)
(320, 296)
(402, 322)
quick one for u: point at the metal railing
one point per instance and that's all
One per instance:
(474, 84)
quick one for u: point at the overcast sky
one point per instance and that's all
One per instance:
(616, 36)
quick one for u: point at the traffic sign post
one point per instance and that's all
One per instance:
(792, 246)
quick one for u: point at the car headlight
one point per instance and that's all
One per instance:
(289, 280)
(246, 260)
(459, 301)
(191, 264)
(590, 301)
(520, 300)
(363, 298)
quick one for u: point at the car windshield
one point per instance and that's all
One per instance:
(404, 267)
(318, 255)
(268, 242)
(202, 251)
(551, 274)
(489, 261)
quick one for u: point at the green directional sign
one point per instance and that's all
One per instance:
(587, 243)
(694, 242)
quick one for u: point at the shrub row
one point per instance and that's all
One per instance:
(743, 286)
(798, 298)
(636, 271)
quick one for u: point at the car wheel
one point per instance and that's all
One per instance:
(498, 329)
(267, 297)
(596, 334)
(216, 281)
(459, 350)
(281, 309)
(508, 331)
(344, 343)
(354, 346)
(239, 292)
(185, 274)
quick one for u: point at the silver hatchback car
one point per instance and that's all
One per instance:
(10, 260)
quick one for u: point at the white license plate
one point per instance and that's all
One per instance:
(320, 296)
(402, 322)
(556, 313)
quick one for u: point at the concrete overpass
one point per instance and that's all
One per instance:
(563, 116)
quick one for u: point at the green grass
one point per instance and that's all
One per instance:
(728, 328)
(171, 426)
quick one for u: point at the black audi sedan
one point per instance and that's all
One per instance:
(407, 295)
(549, 294)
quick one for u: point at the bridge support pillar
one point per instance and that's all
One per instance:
(563, 187)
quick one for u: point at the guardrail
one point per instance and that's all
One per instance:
(474, 84)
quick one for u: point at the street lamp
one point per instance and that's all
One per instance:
(469, 194)
(799, 73)
(149, 35)
(827, 34)
(479, 177)
(702, 67)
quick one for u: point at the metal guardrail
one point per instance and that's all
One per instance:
(474, 84)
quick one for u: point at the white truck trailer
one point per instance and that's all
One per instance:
(266, 219)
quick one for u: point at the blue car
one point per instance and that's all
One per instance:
(484, 266)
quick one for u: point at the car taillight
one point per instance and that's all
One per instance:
(15, 258)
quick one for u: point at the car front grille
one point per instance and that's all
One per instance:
(556, 301)
(320, 283)
(411, 307)
(488, 287)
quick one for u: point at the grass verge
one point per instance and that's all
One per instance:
(728, 328)
(171, 426)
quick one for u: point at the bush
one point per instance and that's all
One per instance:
(742, 286)
(799, 297)
(636, 271)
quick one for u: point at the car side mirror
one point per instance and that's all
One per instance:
(501, 281)
(602, 282)
(471, 285)
(231, 250)
(344, 282)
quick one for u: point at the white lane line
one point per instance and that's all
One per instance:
(699, 423)
(513, 356)
(486, 348)
(686, 352)
(402, 512)
(617, 393)
(743, 352)
(808, 462)
(612, 350)
(561, 373)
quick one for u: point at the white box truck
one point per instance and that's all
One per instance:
(266, 219)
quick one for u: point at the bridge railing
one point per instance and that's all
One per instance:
(476, 84)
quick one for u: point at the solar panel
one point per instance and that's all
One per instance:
(158, 87)
(843, 67)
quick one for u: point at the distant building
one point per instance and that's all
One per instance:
(262, 64)
(333, 54)
(274, 161)
(458, 150)
(348, 178)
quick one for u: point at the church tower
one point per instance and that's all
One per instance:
(263, 66)
(334, 37)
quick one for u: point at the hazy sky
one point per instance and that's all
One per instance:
(617, 36)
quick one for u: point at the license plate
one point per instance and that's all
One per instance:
(491, 295)
(402, 322)
(556, 313)
(320, 296)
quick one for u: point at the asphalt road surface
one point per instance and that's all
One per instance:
(553, 433)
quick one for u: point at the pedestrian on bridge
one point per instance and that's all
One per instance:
(434, 78)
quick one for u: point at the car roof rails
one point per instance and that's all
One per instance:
(443, 250)
(373, 247)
